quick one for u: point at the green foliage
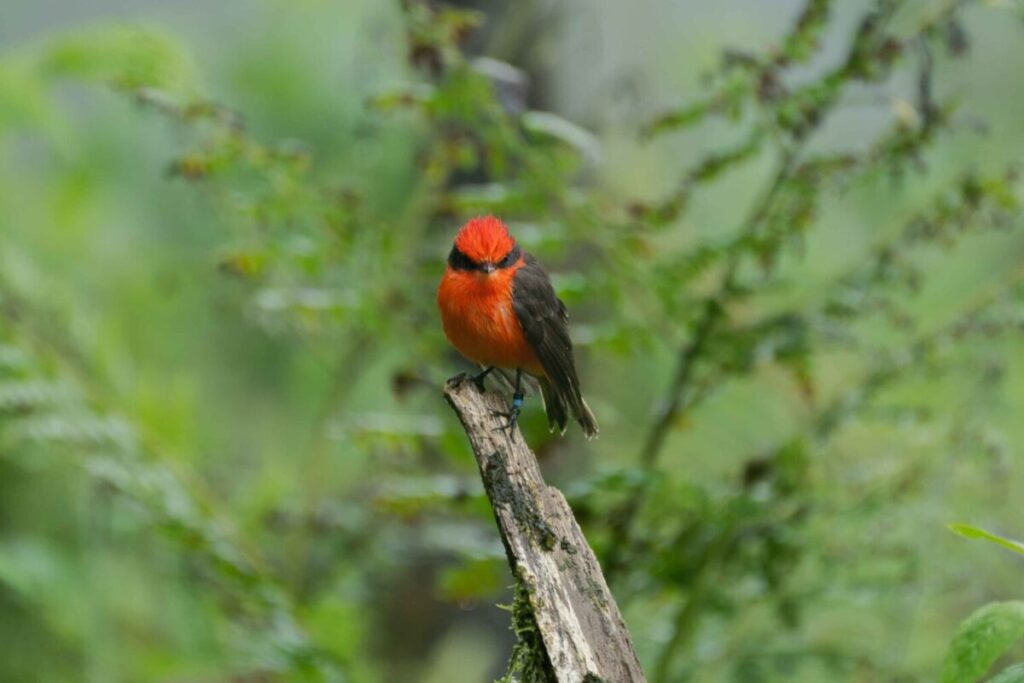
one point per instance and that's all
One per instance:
(981, 639)
(124, 57)
(40, 414)
(988, 633)
(128, 58)
(796, 300)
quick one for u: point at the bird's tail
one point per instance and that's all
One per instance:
(557, 405)
(587, 420)
(554, 406)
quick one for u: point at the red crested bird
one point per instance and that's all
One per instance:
(498, 309)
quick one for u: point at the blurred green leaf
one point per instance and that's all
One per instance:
(1011, 674)
(968, 531)
(126, 57)
(542, 123)
(981, 639)
(23, 101)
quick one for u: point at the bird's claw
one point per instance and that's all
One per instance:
(511, 419)
(478, 379)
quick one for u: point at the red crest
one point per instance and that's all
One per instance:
(484, 239)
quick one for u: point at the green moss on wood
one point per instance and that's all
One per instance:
(529, 662)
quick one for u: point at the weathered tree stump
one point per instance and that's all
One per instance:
(583, 634)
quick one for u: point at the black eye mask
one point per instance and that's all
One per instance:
(459, 261)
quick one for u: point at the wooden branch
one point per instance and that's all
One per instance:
(582, 631)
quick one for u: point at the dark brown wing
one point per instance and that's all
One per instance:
(545, 323)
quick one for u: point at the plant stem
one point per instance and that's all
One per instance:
(677, 401)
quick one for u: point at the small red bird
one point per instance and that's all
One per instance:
(498, 309)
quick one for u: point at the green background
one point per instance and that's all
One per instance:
(224, 451)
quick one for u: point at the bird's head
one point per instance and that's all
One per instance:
(483, 245)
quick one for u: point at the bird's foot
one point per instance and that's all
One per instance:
(456, 380)
(511, 418)
(478, 379)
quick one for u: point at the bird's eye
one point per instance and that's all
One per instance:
(459, 261)
(510, 258)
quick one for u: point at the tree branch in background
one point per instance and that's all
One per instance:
(793, 116)
(944, 222)
(559, 582)
(677, 399)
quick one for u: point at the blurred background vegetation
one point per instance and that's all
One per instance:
(788, 233)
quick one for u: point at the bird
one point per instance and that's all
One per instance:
(499, 310)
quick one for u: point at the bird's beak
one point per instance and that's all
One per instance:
(487, 267)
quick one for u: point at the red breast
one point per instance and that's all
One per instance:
(476, 305)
